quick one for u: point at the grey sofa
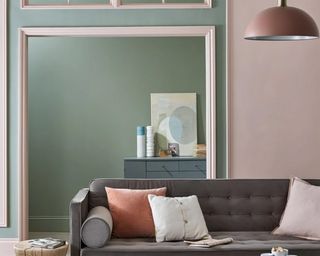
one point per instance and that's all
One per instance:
(247, 210)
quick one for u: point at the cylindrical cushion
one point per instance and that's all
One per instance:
(97, 228)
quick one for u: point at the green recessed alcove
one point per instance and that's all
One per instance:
(86, 97)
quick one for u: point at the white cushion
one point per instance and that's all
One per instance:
(177, 218)
(301, 216)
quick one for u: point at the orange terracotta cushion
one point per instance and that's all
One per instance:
(131, 212)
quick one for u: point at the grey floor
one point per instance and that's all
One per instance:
(64, 236)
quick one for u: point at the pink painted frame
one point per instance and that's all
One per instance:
(208, 32)
(116, 4)
(3, 113)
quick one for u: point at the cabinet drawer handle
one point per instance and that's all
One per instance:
(198, 167)
(165, 168)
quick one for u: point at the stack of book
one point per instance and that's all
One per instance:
(200, 150)
(47, 243)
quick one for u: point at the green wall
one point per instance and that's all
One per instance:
(19, 18)
(86, 97)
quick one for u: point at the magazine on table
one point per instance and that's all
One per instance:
(209, 242)
(47, 243)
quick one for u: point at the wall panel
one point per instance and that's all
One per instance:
(3, 115)
(274, 99)
(55, 18)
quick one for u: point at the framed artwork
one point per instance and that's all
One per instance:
(174, 120)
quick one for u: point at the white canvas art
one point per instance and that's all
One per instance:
(174, 120)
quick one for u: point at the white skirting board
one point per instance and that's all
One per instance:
(6, 246)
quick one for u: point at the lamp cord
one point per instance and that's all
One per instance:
(282, 3)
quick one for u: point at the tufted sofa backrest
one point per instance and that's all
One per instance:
(227, 205)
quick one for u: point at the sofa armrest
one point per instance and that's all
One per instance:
(78, 212)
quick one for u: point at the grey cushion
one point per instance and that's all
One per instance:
(97, 228)
(245, 244)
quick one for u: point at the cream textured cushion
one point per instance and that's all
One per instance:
(177, 218)
(302, 212)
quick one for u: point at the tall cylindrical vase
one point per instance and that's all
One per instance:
(150, 142)
(141, 142)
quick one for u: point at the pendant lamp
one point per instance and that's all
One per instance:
(282, 23)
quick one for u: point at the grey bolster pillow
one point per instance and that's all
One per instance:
(97, 228)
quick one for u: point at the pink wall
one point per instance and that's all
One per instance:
(274, 99)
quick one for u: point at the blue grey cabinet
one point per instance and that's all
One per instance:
(165, 168)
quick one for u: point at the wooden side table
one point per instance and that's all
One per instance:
(24, 249)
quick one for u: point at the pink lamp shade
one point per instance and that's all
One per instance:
(282, 23)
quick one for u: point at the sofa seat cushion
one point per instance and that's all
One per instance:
(245, 244)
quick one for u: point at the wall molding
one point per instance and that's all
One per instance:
(117, 4)
(49, 223)
(208, 32)
(227, 98)
(3, 114)
(48, 217)
(9, 240)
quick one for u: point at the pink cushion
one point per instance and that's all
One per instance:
(131, 212)
(301, 215)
